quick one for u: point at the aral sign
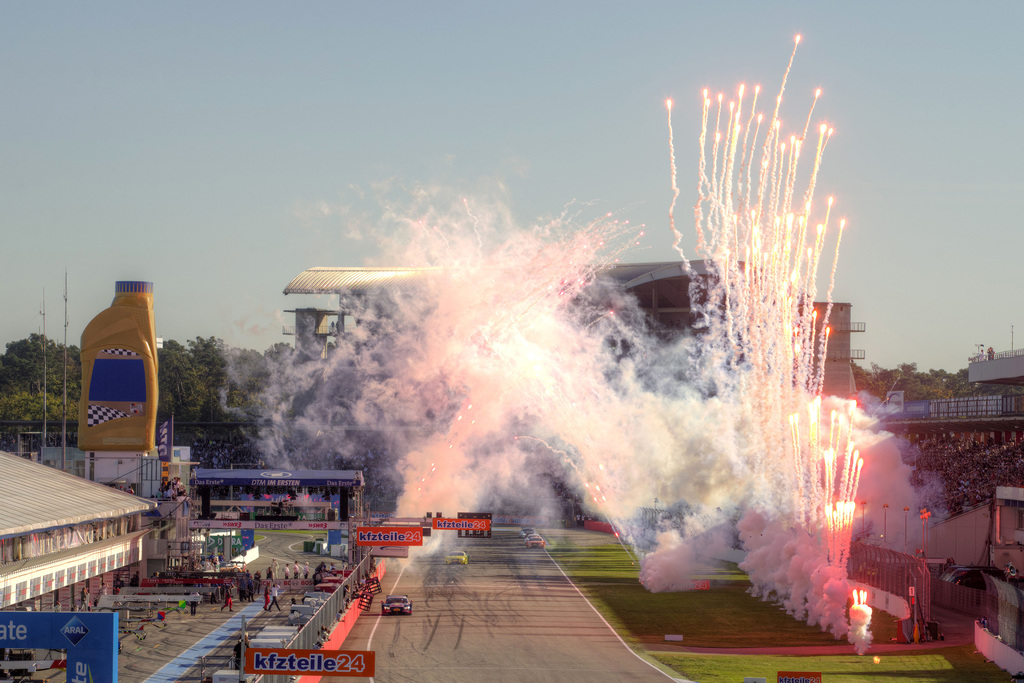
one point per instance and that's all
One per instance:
(89, 637)
(389, 535)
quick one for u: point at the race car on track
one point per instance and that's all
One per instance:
(458, 557)
(535, 541)
(526, 531)
(396, 604)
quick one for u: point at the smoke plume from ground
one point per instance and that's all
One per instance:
(510, 377)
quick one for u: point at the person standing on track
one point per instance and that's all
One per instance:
(273, 598)
(266, 596)
(227, 599)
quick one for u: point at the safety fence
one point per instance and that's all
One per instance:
(897, 573)
(316, 632)
(342, 605)
(1003, 611)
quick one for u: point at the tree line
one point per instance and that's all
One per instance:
(194, 380)
(196, 385)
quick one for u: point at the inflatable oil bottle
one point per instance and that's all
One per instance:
(117, 411)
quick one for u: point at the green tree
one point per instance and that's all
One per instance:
(180, 387)
(21, 376)
(923, 386)
(209, 356)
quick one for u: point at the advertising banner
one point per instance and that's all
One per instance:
(799, 677)
(286, 661)
(462, 524)
(90, 639)
(300, 525)
(389, 535)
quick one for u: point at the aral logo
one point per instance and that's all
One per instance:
(74, 630)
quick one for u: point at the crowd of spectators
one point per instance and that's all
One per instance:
(968, 471)
(237, 453)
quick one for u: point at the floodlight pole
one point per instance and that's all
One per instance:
(885, 523)
(906, 516)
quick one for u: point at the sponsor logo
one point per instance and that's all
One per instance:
(323, 662)
(12, 631)
(275, 475)
(799, 677)
(464, 524)
(74, 630)
(393, 535)
(80, 674)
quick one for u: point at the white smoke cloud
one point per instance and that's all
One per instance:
(511, 367)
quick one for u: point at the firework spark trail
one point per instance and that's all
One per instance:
(698, 209)
(763, 253)
(678, 236)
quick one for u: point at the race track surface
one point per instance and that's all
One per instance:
(509, 615)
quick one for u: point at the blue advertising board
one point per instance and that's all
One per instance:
(90, 639)
(269, 477)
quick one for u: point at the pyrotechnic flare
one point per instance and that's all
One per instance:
(860, 621)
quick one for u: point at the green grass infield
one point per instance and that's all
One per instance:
(726, 616)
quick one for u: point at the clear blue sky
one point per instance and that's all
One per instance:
(218, 149)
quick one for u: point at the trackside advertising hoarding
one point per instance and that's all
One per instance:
(296, 525)
(89, 637)
(799, 677)
(284, 661)
(448, 523)
(389, 535)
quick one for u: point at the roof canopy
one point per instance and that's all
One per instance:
(36, 497)
(332, 280)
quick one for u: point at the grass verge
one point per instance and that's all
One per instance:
(946, 665)
(726, 616)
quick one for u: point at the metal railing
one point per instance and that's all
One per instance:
(1004, 611)
(959, 598)
(851, 354)
(996, 355)
(309, 636)
(848, 327)
(892, 572)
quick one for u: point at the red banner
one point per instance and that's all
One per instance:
(461, 524)
(389, 535)
(289, 662)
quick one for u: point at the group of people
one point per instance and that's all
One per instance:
(248, 586)
(173, 490)
(966, 471)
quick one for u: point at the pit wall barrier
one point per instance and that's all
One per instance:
(996, 651)
(347, 623)
(593, 525)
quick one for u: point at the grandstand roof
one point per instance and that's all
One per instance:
(329, 280)
(36, 497)
(333, 280)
